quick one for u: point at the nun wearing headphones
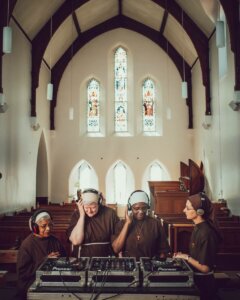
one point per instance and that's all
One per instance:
(39, 245)
(140, 235)
(203, 244)
(92, 226)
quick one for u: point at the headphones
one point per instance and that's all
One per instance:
(32, 221)
(100, 196)
(129, 204)
(201, 210)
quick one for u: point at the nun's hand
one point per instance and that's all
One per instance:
(128, 215)
(54, 254)
(80, 207)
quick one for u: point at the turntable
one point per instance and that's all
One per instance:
(63, 271)
(163, 273)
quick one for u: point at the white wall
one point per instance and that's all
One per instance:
(67, 145)
(219, 146)
(18, 143)
(70, 145)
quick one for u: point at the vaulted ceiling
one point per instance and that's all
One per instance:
(57, 29)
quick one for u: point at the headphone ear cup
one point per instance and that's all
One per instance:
(35, 228)
(149, 205)
(129, 207)
(200, 212)
(100, 198)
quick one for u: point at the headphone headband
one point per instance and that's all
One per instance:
(138, 191)
(33, 226)
(96, 192)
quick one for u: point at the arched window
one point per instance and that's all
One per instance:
(82, 176)
(148, 99)
(120, 83)
(93, 97)
(155, 171)
(119, 183)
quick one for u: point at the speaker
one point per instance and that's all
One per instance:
(100, 196)
(129, 204)
(32, 221)
(201, 210)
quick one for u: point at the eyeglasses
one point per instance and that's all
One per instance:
(143, 209)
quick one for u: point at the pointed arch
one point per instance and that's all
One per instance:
(119, 183)
(148, 105)
(93, 106)
(82, 176)
(42, 172)
(155, 171)
(121, 89)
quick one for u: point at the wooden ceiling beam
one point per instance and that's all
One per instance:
(199, 40)
(113, 23)
(232, 13)
(41, 40)
(75, 20)
(164, 22)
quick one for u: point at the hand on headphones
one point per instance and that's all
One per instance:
(80, 207)
(128, 215)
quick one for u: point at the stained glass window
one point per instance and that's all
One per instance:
(148, 94)
(93, 95)
(120, 81)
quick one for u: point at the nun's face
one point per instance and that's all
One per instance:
(139, 210)
(189, 211)
(91, 209)
(45, 227)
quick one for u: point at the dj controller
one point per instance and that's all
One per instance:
(63, 271)
(114, 272)
(170, 272)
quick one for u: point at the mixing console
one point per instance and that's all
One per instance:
(113, 272)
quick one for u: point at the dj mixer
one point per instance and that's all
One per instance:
(113, 272)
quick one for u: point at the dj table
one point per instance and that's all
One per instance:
(112, 277)
(139, 293)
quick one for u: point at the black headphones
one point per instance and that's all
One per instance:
(32, 221)
(129, 204)
(93, 191)
(201, 210)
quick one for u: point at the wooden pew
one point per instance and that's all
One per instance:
(8, 256)
(17, 227)
(8, 259)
